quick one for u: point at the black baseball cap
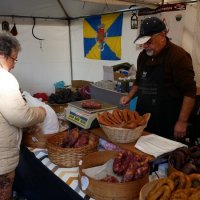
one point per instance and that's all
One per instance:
(149, 26)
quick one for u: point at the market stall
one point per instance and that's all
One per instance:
(100, 149)
(65, 177)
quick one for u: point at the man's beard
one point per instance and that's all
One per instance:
(149, 52)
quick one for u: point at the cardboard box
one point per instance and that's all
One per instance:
(118, 75)
(110, 72)
(79, 83)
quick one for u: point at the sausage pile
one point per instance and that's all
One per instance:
(186, 159)
(122, 118)
(110, 179)
(177, 186)
(76, 139)
(130, 166)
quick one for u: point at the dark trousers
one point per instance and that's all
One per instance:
(6, 182)
(35, 181)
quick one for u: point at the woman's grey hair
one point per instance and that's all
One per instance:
(8, 43)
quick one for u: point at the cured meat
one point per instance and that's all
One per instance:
(91, 104)
(130, 171)
(121, 162)
(77, 139)
(130, 166)
(82, 140)
(73, 137)
(110, 179)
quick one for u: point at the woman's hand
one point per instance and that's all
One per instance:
(44, 110)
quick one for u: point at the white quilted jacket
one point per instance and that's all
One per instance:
(14, 115)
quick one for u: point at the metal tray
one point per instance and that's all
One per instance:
(105, 106)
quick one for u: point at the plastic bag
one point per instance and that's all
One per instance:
(60, 84)
(50, 124)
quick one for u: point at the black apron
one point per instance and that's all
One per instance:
(153, 98)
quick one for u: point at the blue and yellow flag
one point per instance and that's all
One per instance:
(102, 37)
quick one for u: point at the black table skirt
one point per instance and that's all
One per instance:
(35, 181)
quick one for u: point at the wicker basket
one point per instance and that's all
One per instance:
(122, 135)
(58, 107)
(36, 140)
(146, 189)
(67, 157)
(100, 190)
(33, 136)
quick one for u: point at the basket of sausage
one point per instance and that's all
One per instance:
(68, 148)
(177, 186)
(123, 126)
(106, 175)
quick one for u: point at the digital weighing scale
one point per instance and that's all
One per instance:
(85, 118)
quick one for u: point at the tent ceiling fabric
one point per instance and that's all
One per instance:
(63, 9)
(36, 8)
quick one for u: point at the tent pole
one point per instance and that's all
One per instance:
(70, 49)
(63, 9)
(70, 42)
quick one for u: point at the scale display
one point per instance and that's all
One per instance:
(79, 117)
(76, 118)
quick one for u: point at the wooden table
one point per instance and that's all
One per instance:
(128, 146)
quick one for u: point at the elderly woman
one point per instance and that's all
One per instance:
(15, 114)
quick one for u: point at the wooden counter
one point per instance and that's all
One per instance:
(128, 146)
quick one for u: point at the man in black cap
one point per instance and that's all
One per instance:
(164, 83)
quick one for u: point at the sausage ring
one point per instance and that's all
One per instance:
(195, 179)
(157, 188)
(163, 193)
(195, 195)
(179, 194)
(179, 179)
(188, 182)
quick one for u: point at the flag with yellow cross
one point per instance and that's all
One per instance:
(102, 36)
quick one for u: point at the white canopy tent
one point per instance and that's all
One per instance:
(69, 9)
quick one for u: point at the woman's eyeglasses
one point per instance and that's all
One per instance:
(14, 59)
